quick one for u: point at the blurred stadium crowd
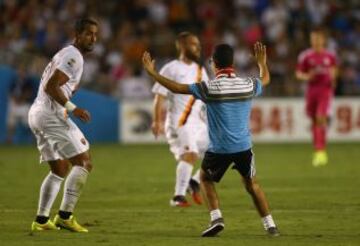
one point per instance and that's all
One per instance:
(32, 31)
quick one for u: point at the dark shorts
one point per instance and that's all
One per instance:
(215, 165)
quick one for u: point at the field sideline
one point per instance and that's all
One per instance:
(126, 199)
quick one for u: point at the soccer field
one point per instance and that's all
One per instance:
(126, 200)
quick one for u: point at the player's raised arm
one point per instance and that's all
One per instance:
(53, 89)
(149, 65)
(260, 56)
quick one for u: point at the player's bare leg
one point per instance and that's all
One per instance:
(209, 191)
(261, 204)
(49, 190)
(319, 137)
(212, 201)
(73, 187)
(258, 196)
(183, 179)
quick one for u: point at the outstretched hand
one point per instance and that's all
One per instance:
(148, 63)
(260, 53)
(149, 66)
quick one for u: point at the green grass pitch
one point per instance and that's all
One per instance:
(126, 200)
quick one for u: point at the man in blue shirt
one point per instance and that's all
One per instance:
(228, 101)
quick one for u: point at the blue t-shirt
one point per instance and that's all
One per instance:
(228, 102)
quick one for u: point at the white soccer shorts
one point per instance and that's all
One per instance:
(188, 138)
(56, 138)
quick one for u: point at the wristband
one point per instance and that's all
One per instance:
(70, 106)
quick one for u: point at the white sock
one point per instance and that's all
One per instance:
(72, 189)
(183, 176)
(215, 214)
(268, 221)
(49, 189)
(196, 176)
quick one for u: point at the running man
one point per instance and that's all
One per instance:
(317, 66)
(185, 125)
(228, 100)
(59, 140)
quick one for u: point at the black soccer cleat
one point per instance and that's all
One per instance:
(214, 228)
(273, 232)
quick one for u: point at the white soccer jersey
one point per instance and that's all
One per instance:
(178, 104)
(57, 135)
(70, 61)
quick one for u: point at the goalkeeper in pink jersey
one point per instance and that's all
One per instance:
(318, 66)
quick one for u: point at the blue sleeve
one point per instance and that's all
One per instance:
(195, 90)
(258, 87)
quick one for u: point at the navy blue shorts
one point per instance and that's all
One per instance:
(215, 165)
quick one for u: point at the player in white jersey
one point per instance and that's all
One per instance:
(185, 125)
(59, 140)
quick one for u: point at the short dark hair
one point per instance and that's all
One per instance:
(223, 56)
(81, 23)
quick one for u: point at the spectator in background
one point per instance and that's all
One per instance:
(134, 87)
(318, 10)
(275, 20)
(22, 94)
